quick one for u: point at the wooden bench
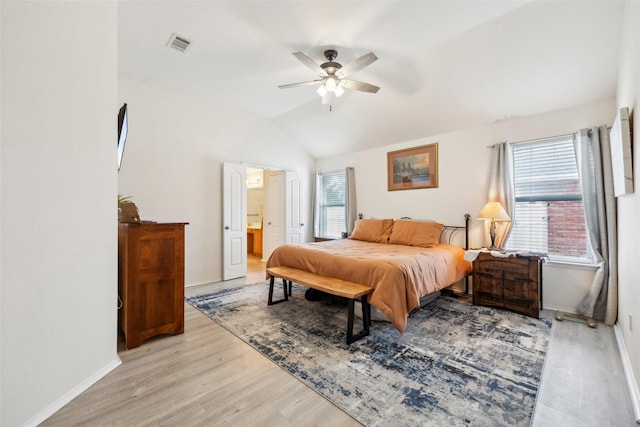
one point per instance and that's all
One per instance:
(330, 285)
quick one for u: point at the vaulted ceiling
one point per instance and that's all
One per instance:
(443, 65)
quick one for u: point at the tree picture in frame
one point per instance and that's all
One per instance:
(413, 168)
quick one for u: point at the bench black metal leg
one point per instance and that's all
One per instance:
(271, 283)
(366, 311)
(351, 337)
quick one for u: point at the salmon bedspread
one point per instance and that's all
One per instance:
(400, 275)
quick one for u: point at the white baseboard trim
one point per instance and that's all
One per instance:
(628, 372)
(191, 285)
(72, 394)
(558, 308)
(206, 282)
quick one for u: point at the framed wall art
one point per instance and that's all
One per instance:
(413, 168)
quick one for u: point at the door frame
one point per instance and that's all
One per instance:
(287, 174)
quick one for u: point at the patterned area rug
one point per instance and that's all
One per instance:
(456, 364)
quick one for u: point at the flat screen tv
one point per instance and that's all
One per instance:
(621, 155)
(123, 125)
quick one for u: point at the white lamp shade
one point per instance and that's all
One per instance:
(339, 91)
(493, 211)
(322, 90)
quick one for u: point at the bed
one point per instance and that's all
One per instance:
(402, 260)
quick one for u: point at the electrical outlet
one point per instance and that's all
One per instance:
(630, 322)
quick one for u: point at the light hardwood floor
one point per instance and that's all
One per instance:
(583, 381)
(207, 376)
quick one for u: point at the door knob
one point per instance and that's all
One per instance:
(226, 227)
(301, 225)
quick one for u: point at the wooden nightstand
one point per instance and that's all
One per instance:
(513, 282)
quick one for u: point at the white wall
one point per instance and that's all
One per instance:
(172, 165)
(629, 206)
(463, 160)
(58, 216)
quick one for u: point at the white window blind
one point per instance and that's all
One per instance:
(332, 212)
(548, 213)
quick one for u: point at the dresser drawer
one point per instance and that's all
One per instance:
(514, 283)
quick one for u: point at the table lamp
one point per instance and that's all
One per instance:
(493, 211)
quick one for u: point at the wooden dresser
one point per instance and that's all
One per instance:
(513, 282)
(150, 280)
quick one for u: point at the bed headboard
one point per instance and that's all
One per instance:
(457, 234)
(454, 234)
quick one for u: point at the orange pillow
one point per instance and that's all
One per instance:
(372, 230)
(415, 233)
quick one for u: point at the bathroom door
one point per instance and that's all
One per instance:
(283, 219)
(295, 225)
(273, 228)
(234, 217)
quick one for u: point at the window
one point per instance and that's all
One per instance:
(548, 212)
(331, 200)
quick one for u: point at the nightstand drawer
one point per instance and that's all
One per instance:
(491, 264)
(518, 276)
(487, 289)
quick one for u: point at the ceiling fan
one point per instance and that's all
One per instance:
(332, 81)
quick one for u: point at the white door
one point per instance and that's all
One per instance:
(274, 221)
(234, 218)
(293, 220)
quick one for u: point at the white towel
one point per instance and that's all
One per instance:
(471, 254)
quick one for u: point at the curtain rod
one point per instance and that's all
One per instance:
(537, 139)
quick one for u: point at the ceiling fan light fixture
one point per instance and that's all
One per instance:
(333, 75)
(331, 84)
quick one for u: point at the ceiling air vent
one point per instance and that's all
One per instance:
(178, 42)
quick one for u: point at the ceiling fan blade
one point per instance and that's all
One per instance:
(313, 65)
(309, 83)
(361, 86)
(357, 64)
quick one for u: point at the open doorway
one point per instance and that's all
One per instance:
(255, 217)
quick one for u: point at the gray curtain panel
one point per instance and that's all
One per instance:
(596, 179)
(501, 186)
(316, 204)
(350, 202)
